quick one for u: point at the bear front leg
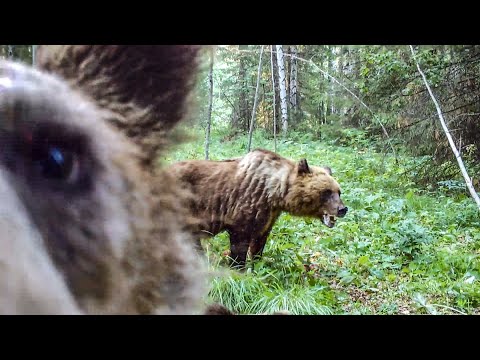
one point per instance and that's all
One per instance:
(264, 227)
(239, 243)
(257, 245)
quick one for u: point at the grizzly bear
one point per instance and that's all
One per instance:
(88, 223)
(246, 195)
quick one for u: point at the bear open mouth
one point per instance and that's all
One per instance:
(329, 220)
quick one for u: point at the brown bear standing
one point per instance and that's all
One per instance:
(88, 225)
(245, 196)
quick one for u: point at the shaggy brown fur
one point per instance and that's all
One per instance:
(87, 223)
(147, 88)
(218, 309)
(245, 196)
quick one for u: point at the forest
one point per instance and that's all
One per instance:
(400, 128)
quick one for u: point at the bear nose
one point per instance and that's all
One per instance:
(343, 211)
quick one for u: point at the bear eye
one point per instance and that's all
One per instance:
(58, 159)
(57, 163)
(326, 195)
(54, 154)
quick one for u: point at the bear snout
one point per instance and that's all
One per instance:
(342, 211)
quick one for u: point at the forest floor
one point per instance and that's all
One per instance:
(402, 248)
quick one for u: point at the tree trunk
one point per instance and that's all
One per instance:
(210, 103)
(274, 103)
(10, 51)
(277, 88)
(240, 115)
(34, 52)
(283, 90)
(252, 120)
(293, 84)
(331, 70)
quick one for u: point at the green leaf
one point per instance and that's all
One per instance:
(409, 195)
(363, 260)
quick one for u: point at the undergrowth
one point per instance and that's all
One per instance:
(402, 248)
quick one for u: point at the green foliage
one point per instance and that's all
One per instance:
(408, 236)
(410, 243)
(401, 249)
(385, 78)
(388, 80)
(381, 71)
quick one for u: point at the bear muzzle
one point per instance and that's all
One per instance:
(330, 220)
(342, 212)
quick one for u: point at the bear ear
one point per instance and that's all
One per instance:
(328, 169)
(303, 167)
(146, 88)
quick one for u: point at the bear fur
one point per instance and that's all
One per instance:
(246, 195)
(88, 223)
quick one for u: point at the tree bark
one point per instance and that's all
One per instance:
(34, 53)
(10, 51)
(252, 120)
(293, 81)
(210, 103)
(283, 90)
(274, 103)
(240, 115)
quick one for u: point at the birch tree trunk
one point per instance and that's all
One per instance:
(10, 51)
(467, 178)
(274, 102)
(252, 120)
(283, 90)
(293, 80)
(34, 53)
(210, 103)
